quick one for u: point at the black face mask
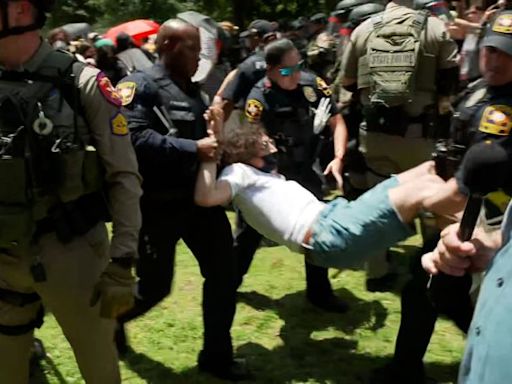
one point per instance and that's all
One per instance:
(269, 163)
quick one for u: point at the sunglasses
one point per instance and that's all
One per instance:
(288, 71)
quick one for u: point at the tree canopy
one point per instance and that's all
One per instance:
(104, 13)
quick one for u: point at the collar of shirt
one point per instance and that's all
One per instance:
(160, 70)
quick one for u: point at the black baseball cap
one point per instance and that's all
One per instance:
(259, 27)
(499, 33)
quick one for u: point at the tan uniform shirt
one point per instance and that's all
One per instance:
(440, 52)
(116, 153)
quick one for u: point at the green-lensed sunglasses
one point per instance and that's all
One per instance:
(288, 71)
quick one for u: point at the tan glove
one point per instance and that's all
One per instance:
(115, 290)
(444, 105)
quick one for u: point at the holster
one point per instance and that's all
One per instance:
(74, 218)
(388, 120)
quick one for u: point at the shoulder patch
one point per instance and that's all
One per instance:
(309, 94)
(503, 23)
(119, 124)
(322, 85)
(107, 90)
(126, 91)
(496, 120)
(253, 110)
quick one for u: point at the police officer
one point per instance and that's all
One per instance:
(477, 119)
(397, 132)
(349, 103)
(63, 140)
(488, 114)
(251, 70)
(165, 116)
(285, 101)
(321, 50)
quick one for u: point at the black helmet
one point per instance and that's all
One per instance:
(437, 8)
(349, 4)
(363, 12)
(318, 18)
(43, 6)
(424, 4)
(344, 7)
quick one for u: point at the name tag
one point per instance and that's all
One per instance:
(179, 104)
(402, 59)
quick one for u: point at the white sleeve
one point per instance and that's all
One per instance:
(237, 176)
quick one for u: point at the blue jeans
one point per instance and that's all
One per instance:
(348, 231)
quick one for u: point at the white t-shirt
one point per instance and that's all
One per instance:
(280, 210)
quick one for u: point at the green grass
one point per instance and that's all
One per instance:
(284, 338)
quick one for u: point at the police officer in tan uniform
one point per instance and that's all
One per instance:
(395, 139)
(63, 141)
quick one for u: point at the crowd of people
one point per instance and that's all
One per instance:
(403, 107)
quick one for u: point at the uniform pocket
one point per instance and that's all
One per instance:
(97, 240)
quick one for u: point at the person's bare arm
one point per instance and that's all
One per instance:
(409, 196)
(447, 201)
(340, 135)
(209, 192)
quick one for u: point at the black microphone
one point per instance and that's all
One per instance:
(485, 168)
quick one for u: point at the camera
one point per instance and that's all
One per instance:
(447, 157)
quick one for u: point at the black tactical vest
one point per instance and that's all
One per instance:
(184, 112)
(289, 120)
(45, 154)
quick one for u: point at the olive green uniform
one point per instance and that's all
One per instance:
(390, 154)
(73, 268)
(321, 55)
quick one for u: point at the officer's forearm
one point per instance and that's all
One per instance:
(340, 135)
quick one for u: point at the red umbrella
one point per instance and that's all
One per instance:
(137, 29)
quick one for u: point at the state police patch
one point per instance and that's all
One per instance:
(496, 120)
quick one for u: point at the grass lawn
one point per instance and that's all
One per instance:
(284, 338)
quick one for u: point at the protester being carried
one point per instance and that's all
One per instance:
(331, 235)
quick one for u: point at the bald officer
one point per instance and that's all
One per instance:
(165, 114)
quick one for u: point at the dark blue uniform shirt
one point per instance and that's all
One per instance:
(165, 122)
(250, 71)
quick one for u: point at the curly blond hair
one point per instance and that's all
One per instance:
(241, 142)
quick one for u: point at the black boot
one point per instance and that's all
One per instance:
(329, 303)
(234, 369)
(120, 340)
